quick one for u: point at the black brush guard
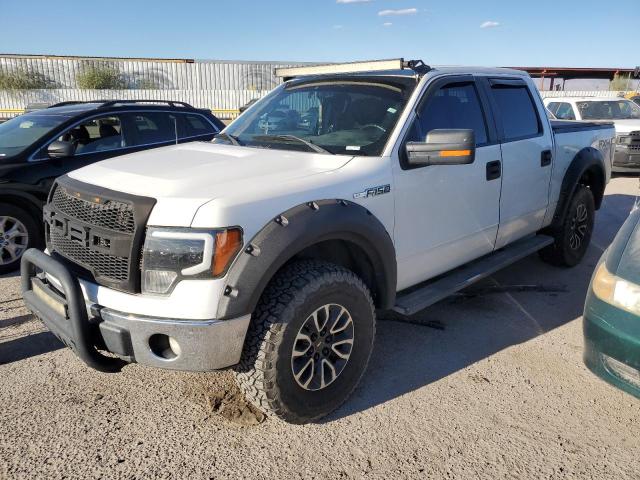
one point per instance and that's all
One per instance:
(66, 316)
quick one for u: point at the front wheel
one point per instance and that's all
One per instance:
(572, 238)
(309, 342)
(18, 232)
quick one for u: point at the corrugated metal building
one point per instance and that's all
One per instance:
(222, 86)
(162, 74)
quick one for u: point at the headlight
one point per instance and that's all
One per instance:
(616, 291)
(171, 254)
(623, 140)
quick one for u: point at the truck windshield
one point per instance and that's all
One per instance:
(608, 110)
(329, 117)
(17, 134)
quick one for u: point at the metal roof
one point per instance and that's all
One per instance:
(569, 73)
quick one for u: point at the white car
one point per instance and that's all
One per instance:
(624, 113)
(271, 249)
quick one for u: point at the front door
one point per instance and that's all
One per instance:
(447, 215)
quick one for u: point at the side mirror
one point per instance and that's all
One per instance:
(443, 147)
(59, 149)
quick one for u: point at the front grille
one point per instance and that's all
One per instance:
(109, 266)
(114, 215)
(99, 232)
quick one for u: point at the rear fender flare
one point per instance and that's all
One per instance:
(587, 161)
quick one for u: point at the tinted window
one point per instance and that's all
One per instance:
(96, 135)
(608, 110)
(453, 106)
(195, 125)
(518, 112)
(151, 127)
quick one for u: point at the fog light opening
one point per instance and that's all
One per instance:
(164, 346)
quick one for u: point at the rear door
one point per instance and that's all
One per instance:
(159, 128)
(526, 144)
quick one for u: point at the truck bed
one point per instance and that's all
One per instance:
(560, 126)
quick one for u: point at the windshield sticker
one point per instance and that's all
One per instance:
(352, 147)
(391, 110)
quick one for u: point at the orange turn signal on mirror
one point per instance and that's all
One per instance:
(455, 153)
(228, 244)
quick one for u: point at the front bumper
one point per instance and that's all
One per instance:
(91, 330)
(626, 160)
(612, 344)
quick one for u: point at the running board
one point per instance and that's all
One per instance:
(433, 291)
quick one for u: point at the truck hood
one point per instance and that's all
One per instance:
(183, 177)
(202, 170)
(627, 126)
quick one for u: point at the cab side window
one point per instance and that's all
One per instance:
(454, 106)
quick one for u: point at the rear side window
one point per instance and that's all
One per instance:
(151, 127)
(518, 112)
(453, 106)
(195, 125)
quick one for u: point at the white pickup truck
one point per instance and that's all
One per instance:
(348, 189)
(623, 112)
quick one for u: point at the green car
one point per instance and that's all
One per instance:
(611, 318)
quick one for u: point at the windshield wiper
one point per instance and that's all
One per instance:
(307, 143)
(232, 138)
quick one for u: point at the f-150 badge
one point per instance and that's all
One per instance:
(373, 191)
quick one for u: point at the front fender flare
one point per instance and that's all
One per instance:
(301, 227)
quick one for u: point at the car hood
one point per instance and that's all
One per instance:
(626, 126)
(623, 257)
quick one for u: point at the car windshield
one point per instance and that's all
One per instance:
(608, 110)
(20, 132)
(329, 117)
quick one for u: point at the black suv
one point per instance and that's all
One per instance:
(39, 146)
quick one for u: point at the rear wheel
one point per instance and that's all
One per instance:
(572, 238)
(18, 231)
(309, 342)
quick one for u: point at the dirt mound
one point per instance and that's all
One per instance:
(232, 406)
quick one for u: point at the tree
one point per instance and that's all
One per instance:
(21, 79)
(147, 84)
(620, 82)
(100, 77)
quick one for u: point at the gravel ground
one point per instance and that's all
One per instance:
(486, 384)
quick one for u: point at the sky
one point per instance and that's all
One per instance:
(578, 33)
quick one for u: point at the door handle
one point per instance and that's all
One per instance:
(494, 169)
(545, 158)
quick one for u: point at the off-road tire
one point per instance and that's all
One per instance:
(561, 252)
(265, 374)
(29, 224)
